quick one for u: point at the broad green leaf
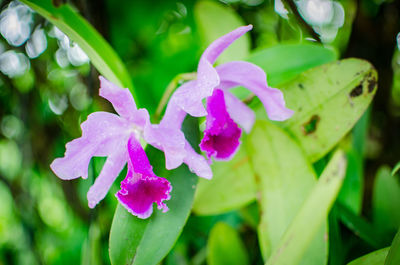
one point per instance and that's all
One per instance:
(374, 258)
(137, 241)
(285, 179)
(312, 214)
(214, 20)
(386, 200)
(393, 257)
(328, 100)
(283, 62)
(102, 56)
(225, 246)
(231, 187)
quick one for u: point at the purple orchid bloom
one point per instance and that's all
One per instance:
(141, 182)
(117, 137)
(224, 111)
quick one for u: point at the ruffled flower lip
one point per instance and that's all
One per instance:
(141, 187)
(221, 137)
(138, 194)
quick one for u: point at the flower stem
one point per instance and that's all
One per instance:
(170, 89)
(292, 6)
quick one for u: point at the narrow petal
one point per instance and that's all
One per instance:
(207, 77)
(218, 46)
(167, 136)
(76, 160)
(104, 130)
(221, 137)
(141, 187)
(197, 163)
(121, 99)
(173, 119)
(253, 77)
(189, 98)
(101, 129)
(174, 115)
(239, 111)
(190, 95)
(111, 169)
(169, 140)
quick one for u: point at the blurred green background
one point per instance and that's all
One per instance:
(48, 87)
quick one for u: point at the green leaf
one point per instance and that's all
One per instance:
(328, 100)
(396, 168)
(386, 200)
(91, 252)
(101, 54)
(137, 241)
(373, 258)
(312, 214)
(283, 188)
(285, 61)
(213, 20)
(225, 246)
(393, 257)
(231, 187)
(351, 193)
(360, 132)
(336, 244)
(360, 227)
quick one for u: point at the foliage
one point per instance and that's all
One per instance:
(315, 189)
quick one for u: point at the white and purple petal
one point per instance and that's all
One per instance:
(121, 99)
(76, 160)
(189, 98)
(171, 126)
(190, 95)
(141, 187)
(240, 73)
(239, 111)
(212, 52)
(100, 132)
(112, 167)
(169, 140)
(197, 163)
(221, 136)
(174, 115)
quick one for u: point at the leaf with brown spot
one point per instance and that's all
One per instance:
(338, 93)
(357, 91)
(311, 125)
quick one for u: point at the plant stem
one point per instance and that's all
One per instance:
(170, 89)
(292, 6)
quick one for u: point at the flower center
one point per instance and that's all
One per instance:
(137, 131)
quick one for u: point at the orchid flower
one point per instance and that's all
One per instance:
(118, 138)
(224, 111)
